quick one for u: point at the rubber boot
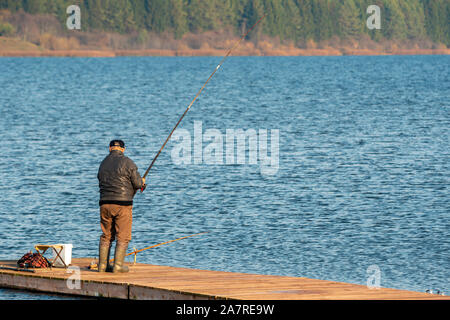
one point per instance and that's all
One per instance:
(119, 256)
(103, 260)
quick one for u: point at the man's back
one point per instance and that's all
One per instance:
(118, 178)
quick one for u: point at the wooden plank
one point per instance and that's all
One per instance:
(163, 282)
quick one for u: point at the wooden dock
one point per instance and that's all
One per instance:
(154, 282)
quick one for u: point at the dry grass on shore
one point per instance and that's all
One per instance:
(12, 47)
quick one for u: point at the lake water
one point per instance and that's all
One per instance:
(362, 177)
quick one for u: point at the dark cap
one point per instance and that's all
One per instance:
(117, 143)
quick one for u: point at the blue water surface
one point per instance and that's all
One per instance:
(362, 177)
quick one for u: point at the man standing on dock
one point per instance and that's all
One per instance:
(119, 180)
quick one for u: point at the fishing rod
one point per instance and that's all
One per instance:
(198, 93)
(135, 252)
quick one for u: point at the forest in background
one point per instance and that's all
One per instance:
(208, 26)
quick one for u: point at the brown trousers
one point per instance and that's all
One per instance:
(115, 221)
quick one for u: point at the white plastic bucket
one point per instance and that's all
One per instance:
(66, 255)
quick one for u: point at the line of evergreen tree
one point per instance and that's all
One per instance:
(287, 19)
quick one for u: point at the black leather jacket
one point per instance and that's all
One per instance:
(118, 179)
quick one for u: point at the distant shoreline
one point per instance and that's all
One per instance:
(216, 52)
(13, 47)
